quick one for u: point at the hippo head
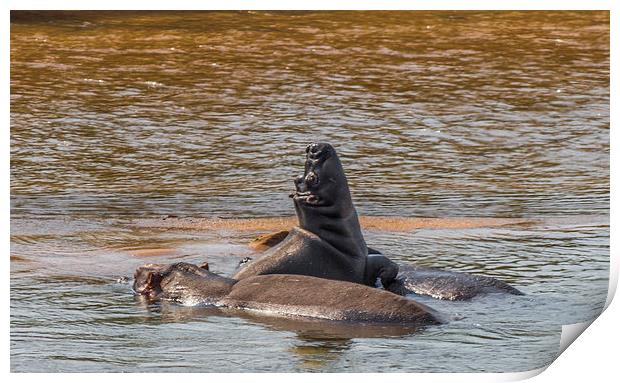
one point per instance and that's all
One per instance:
(147, 280)
(182, 282)
(323, 201)
(323, 184)
(152, 280)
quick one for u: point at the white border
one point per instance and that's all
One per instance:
(592, 353)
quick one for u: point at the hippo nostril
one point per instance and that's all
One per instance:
(299, 179)
(312, 148)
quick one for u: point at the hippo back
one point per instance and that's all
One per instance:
(304, 253)
(299, 295)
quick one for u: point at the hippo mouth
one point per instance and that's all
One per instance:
(306, 197)
(304, 190)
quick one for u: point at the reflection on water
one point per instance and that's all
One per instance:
(121, 118)
(478, 113)
(315, 355)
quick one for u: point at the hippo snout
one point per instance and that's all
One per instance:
(147, 280)
(318, 150)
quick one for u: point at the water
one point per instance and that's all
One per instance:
(118, 119)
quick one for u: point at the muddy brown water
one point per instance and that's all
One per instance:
(473, 141)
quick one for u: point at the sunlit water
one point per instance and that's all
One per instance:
(120, 116)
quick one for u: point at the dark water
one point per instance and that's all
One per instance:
(116, 116)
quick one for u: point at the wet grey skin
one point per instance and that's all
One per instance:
(282, 295)
(180, 282)
(328, 243)
(436, 283)
(444, 284)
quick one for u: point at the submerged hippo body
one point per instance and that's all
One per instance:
(444, 284)
(328, 242)
(301, 295)
(281, 295)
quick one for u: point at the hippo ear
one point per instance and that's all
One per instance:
(204, 265)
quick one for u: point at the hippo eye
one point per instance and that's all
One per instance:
(312, 179)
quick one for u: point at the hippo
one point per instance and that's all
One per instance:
(445, 284)
(269, 240)
(328, 243)
(286, 295)
(434, 282)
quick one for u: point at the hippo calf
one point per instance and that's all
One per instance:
(281, 295)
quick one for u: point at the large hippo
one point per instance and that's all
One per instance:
(280, 295)
(328, 242)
